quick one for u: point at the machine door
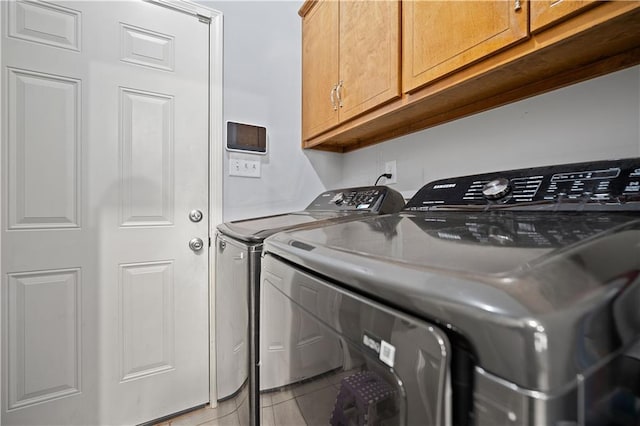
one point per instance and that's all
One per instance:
(232, 315)
(293, 347)
(380, 366)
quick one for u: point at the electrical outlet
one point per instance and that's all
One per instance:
(390, 167)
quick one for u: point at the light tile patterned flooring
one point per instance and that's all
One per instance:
(306, 403)
(231, 412)
(309, 403)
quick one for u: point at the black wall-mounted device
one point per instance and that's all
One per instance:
(246, 137)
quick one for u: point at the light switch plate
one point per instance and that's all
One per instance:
(234, 167)
(251, 168)
(245, 168)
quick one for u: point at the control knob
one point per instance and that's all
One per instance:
(496, 189)
(338, 198)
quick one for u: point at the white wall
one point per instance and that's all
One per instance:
(596, 119)
(262, 86)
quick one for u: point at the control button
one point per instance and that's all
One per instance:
(496, 188)
(338, 198)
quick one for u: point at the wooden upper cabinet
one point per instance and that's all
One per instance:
(548, 12)
(369, 55)
(319, 68)
(350, 60)
(440, 37)
(458, 57)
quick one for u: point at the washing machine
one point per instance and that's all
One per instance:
(238, 250)
(505, 298)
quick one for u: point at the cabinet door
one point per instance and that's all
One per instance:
(547, 12)
(319, 68)
(440, 37)
(369, 55)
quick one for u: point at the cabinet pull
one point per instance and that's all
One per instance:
(338, 87)
(517, 5)
(332, 97)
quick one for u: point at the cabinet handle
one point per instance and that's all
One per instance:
(517, 5)
(332, 97)
(338, 87)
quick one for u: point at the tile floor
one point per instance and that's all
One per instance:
(307, 403)
(231, 412)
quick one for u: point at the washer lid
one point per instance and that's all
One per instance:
(549, 290)
(497, 244)
(330, 206)
(255, 230)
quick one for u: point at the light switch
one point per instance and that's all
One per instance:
(251, 168)
(245, 168)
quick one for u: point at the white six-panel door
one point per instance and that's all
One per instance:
(105, 153)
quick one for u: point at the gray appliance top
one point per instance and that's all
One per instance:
(330, 206)
(540, 295)
(494, 245)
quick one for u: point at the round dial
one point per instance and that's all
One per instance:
(496, 189)
(338, 198)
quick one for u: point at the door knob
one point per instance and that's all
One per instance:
(196, 244)
(195, 215)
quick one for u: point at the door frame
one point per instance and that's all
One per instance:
(216, 178)
(215, 155)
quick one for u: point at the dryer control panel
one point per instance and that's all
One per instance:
(600, 185)
(378, 199)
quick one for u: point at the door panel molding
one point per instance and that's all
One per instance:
(48, 151)
(44, 330)
(148, 339)
(146, 169)
(44, 23)
(140, 46)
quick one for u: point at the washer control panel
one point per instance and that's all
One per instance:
(516, 229)
(601, 185)
(378, 199)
